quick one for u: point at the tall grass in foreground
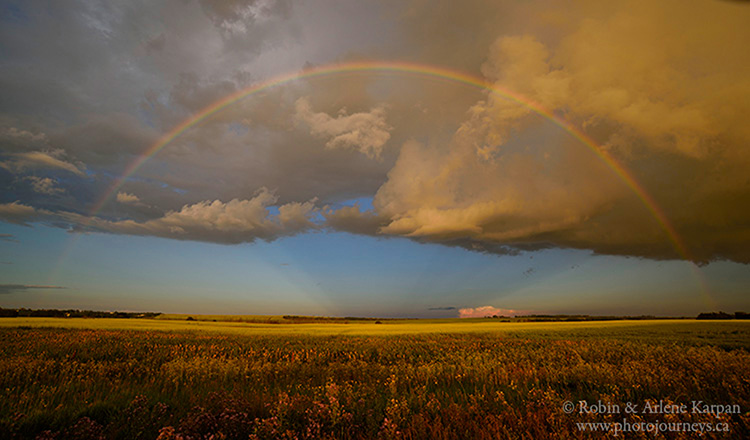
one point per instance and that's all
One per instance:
(61, 383)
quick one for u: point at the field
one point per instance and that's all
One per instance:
(179, 379)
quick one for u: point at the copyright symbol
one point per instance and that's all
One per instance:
(569, 407)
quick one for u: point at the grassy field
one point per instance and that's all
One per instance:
(276, 325)
(178, 379)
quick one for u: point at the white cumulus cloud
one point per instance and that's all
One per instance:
(366, 132)
(127, 198)
(485, 311)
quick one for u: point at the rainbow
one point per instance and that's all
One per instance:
(421, 70)
(412, 69)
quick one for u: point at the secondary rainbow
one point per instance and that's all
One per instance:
(422, 70)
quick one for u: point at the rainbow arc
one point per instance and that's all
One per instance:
(425, 71)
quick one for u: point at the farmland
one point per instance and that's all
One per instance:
(173, 378)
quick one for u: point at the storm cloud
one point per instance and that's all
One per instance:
(89, 89)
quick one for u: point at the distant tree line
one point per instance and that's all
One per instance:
(74, 313)
(553, 318)
(722, 315)
(54, 313)
(303, 319)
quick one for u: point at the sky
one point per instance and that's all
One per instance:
(379, 158)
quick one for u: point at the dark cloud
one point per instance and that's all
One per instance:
(194, 94)
(21, 214)
(8, 238)
(110, 140)
(89, 88)
(248, 27)
(17, 288)
(655, 116)
(17, 140)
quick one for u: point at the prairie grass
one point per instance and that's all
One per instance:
(124, 379)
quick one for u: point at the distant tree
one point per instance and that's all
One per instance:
(8, 313)
(715, 315)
